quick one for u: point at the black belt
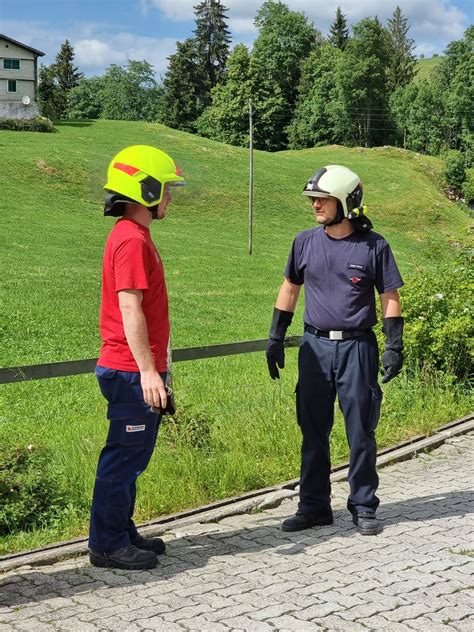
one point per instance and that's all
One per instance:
(336, 335)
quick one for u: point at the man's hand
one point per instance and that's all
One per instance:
(153, 387)
(392, 362)
(275, 352)
(392, 357)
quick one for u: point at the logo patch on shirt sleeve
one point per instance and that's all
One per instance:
(140, 428)
(356, 280)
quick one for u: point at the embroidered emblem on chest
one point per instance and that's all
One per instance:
(356, 280)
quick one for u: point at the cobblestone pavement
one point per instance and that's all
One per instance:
(244, 573)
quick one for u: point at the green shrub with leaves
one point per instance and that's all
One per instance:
(30, 493)
(439, 323)
(38, 124)
(468, 187)
(454, 172)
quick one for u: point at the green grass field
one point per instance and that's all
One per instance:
(235, 428)
(425, 67)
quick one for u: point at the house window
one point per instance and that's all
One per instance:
(11, 85)
(11, 64)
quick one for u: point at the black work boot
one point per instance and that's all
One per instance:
(301, 521)
(129, 558)
(149, 544)
(367, 523)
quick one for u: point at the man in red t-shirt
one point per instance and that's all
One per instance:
(132, 365)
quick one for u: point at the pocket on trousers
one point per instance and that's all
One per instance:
(131, 432)
(377, 395)
(297, 394)
(106, 378)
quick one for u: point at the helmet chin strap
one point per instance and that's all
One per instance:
(338, 218)
(154, 211)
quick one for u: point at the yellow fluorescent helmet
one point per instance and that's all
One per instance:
(140, 172)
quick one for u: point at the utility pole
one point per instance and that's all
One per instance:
(250, 178)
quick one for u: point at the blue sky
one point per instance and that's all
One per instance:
(112, 31)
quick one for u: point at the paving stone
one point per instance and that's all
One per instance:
(410, 611)
(451, 614)
(334, 622)
(361, 611)
(200, 623)
(289, 623)
(245, 623)
(271, 612)
(423, 624)
(30, 624)
(76, 625)
(159, 624)
(229, 612)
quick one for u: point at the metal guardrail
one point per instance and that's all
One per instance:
(78, 367)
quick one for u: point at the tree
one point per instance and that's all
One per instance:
(185, 88)
(339, 33)
(418, 112)
(129, 92)
(317, 118)
(67, 75)
(85, 101)
(454, 78)
(212, 39)
(285, 39)
(363, 83)
(436, 115)
(402, 66)
(227, 119)
(48, 94)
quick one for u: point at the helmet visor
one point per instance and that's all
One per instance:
(318, 194)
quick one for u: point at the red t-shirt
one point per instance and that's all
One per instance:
(131, 262)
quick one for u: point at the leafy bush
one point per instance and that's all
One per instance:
(38, 124)
(30, 496)
(454, 172)
(439, 324)
(468, 188)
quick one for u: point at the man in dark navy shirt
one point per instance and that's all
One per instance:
(340, 262)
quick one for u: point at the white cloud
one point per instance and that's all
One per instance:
(95, 54)
(95, 48)
(434, 23)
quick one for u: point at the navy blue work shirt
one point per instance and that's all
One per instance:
(339, 277)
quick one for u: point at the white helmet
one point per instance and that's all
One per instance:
(338, 182)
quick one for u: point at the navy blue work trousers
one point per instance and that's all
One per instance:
(348, 369)
(133, 429)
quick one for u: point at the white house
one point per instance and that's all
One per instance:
(18, 79)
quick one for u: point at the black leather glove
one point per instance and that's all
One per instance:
(275, 350)
(392, 357)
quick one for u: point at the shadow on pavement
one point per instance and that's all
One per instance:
(191, 552)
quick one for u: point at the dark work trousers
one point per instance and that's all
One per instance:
(131, 439)
(348, 368)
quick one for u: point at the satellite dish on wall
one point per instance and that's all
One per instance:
(26, 100)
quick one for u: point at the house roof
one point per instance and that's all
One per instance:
(33, 50)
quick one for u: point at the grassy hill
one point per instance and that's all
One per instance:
(235, 429)
(425, 67)
(53, 231)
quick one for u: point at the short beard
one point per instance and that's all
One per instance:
(338, 217)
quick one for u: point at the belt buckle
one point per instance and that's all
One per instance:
(335, 335)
